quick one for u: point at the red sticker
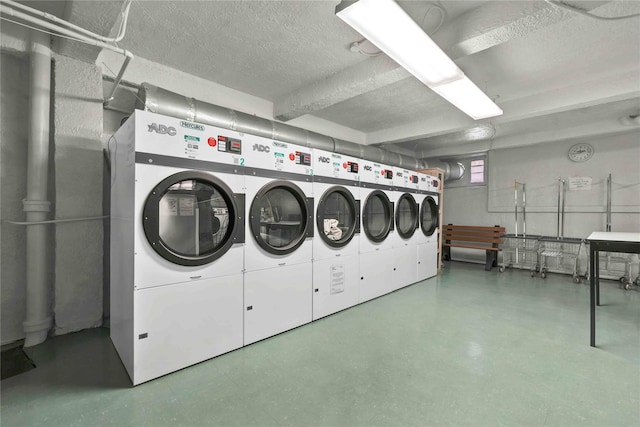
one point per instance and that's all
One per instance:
(344, 165)
(292, 156)
(212, 141)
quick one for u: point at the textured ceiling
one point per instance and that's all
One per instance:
(543, 65)
(263, 48)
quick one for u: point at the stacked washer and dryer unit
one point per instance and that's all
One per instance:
(427, 235)
(177, 244)
(377, 230)
(336, 188)
(278, 271)
(220, 239)
(405, 245)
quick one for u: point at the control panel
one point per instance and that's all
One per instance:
(169, 136)
(375, 173)
(336, 165)
(225, 143)
(301, 158)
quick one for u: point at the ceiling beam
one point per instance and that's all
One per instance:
(618, 87)
(482, 28)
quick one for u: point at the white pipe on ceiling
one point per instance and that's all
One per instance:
(49, 17)
(6, 10)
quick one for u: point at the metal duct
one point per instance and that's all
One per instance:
(392, 159)
(214, 115)
(348, 148)
(161, 101)
(453, 171)
(286, 133)
(371, 153)
(409, 162)
(320, 141)
(156, 100)
(253, 125)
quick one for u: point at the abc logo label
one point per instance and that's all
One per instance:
(162, 129)
(323, 159)
(261, 148)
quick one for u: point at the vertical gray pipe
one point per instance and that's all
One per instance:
(559, 207)
(563, 205)
(35, 205)
(608, 203)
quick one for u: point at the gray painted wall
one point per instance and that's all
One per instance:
(78, 183)
(14, 104)
(539, 167)
(75, 192)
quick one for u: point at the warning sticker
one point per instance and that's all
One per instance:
(186, 206)
(169, 206)
(337, 279)
(579, 183)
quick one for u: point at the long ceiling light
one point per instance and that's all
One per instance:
(385, 24)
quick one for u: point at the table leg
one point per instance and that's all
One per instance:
(597, 276)
(592, 294)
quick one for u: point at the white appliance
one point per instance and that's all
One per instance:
(278, 250)
(177, 234)
(376, 267)
(428, 230)
(404, 240)
(336, 278)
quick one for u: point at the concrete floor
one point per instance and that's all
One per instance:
(469, 348)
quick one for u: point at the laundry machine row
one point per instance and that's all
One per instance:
(220, 239)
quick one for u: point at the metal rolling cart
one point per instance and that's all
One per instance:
(560, 253)
(520, 250)
(565, 251)
(617, 265)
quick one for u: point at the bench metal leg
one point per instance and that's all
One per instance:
(446, 252)
(491, 260)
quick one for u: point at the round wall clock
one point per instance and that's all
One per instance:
(581, 152)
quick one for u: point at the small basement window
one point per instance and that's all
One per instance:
(476, 172)
(468, 170)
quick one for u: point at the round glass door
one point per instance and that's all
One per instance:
(190, 218)
(377, 216)
(406, 216)
(429, 216)
(279, 217)
(337, 216)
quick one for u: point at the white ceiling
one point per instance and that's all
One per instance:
(546, 67)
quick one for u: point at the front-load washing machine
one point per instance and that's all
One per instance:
(404, 240)
(377, 216)
(428, 226)
(177, 235)
(278, 251)
(336, 192)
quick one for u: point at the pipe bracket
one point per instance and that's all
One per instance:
(30, 326)
(36, 205)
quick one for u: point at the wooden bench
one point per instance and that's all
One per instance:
(473, 237)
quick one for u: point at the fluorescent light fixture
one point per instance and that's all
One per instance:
(465, 95)
(385, 24)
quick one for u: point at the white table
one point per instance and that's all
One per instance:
(605, 241)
